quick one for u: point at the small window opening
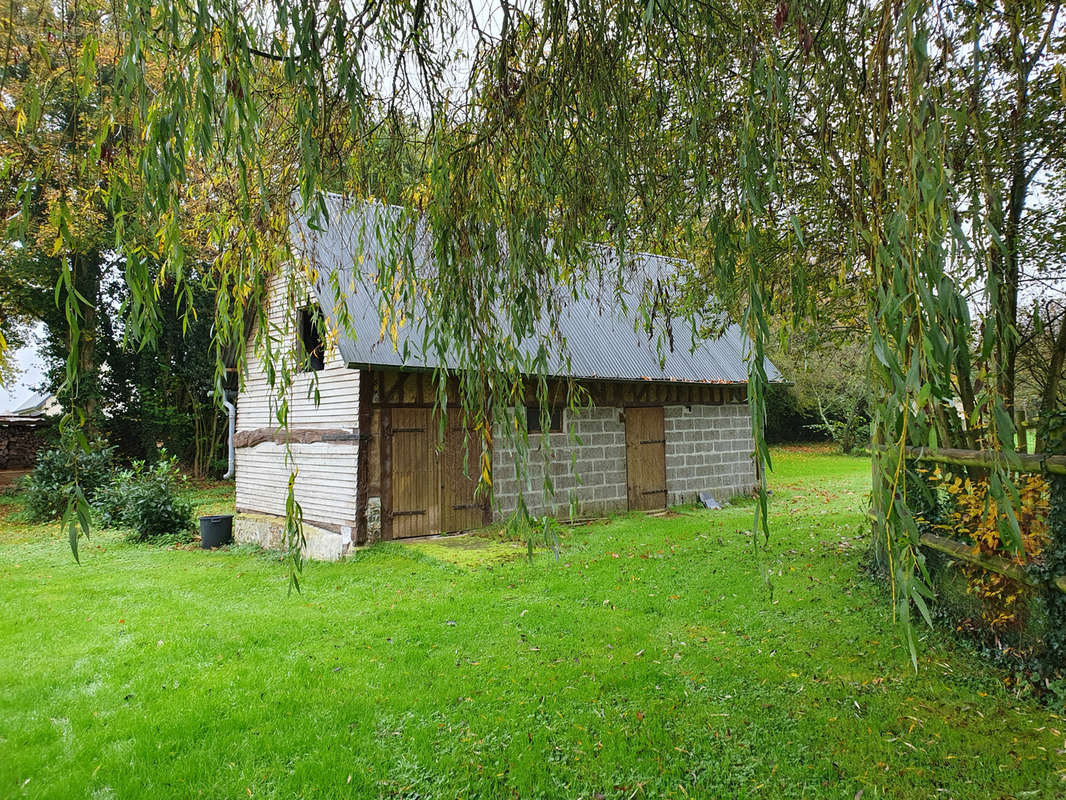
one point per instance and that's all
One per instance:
(555, 420)
(308, 325)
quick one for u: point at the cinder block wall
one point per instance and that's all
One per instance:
(708, 448)
(599, 460)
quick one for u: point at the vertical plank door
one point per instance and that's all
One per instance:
(646, 457)
(415, 474)
(459, 510)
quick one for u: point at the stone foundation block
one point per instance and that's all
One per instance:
(268, 532)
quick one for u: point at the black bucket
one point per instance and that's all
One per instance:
(216, 531)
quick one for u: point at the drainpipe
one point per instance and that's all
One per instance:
(227, 401)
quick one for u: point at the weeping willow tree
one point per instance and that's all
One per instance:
(787, 150)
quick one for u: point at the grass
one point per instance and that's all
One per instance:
(650, 661)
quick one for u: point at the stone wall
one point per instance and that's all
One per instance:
(708, 447)
(20, 439)
(591, 474)
(268, 531)
(373, 518)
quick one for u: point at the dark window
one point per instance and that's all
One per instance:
(555, 418)
(309, 326)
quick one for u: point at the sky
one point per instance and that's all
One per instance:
(31, 373)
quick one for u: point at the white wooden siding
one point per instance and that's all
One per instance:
(325, 480)
(326, 471)
(338, 386)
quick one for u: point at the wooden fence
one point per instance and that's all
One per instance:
(1033, 463)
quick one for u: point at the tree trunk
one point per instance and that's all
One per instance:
(1005, 260)
(1007, 305)
(1049, 399)
(86, 271)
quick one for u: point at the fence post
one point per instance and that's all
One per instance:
(1053, 436)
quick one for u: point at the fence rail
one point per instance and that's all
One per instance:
(1038, 463)
(1026, 462)
(967, 552)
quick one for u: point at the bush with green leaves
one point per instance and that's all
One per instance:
(147, 499)
(48, 489)
(110, 501)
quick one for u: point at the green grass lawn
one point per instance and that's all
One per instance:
(650, 661)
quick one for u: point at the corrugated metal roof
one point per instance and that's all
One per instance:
(599, 333)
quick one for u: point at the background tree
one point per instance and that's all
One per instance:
(128, 342)
(1041, 352)
(62, 139)
(832, 387)
(159, 396)
(1009, 143)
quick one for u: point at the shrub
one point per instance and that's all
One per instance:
(109, 502)
(148, 500)
(852, 434)
(786, 421)
(48, 489)
(155, 506)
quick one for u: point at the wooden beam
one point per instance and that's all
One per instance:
(386, 473)
(395, 392)
(971, 555)
(362, 460)
(294, 436)
(1027, 462)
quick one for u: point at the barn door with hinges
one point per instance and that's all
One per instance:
(460, 511)
(415, 474)
(646, 457)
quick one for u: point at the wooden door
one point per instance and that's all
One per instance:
(459, 510)
(415, 474)
(646, 458)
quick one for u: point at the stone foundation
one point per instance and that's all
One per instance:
(267, 531)
(373, 519)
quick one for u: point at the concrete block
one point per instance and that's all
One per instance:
(605, 493)
(559, 467)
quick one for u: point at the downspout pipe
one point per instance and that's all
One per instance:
(227, 401)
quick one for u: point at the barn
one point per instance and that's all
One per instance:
(363, 435)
